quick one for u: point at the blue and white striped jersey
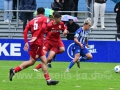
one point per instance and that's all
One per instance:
(80, 34)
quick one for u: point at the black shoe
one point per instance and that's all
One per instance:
(11, 74)
(51, 82)
(49, 65)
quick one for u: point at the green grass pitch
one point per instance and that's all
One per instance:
(91, 76)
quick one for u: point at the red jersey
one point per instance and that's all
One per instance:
(54, 30)
(37, 27)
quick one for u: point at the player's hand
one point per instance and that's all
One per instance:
(82, 46)
(26, 46)
(65, 32)
(33, 39)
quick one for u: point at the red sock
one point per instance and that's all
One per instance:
(58, 52)
(17, 69)
(47, 77)
(38, 66)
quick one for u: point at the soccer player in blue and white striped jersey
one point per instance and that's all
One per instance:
(79, 49)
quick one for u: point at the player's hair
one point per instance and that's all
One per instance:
(56, 14)
(40, 10)
(86, 21)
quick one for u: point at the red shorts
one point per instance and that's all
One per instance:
(36, 50)
(60, 44)
(51, 45)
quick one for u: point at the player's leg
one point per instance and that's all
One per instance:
(76, 51)
(41, 53)
(86, 55)
(39, 65)
(46, 48)
(60, 49)
(78, 63)
(22, 66)
(50, 57)
(76, 58)
(45, 71)
(32, 60)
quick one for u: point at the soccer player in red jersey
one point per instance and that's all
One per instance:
(53, 42)
(37, 26)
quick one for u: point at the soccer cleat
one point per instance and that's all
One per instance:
(36, 70)
(78, 64)
(49, 65)
(11, 74)
(52, 82)
(67, 70)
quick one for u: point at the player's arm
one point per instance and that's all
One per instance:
(86, 41)
(49, 26)
(65, 31)
(48, 29)
(27, 28)
(76, 39)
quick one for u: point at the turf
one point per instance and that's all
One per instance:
(91, 76)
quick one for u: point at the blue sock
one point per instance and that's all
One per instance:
(71, 64)
(83, 58)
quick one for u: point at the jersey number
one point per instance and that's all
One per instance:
(35, 25)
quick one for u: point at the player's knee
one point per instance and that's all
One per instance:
(62, 49)
(75, 60)
(44, 61)
(89, 57)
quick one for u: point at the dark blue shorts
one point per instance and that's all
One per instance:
(77, 49)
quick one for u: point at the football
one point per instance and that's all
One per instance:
(117, 69)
